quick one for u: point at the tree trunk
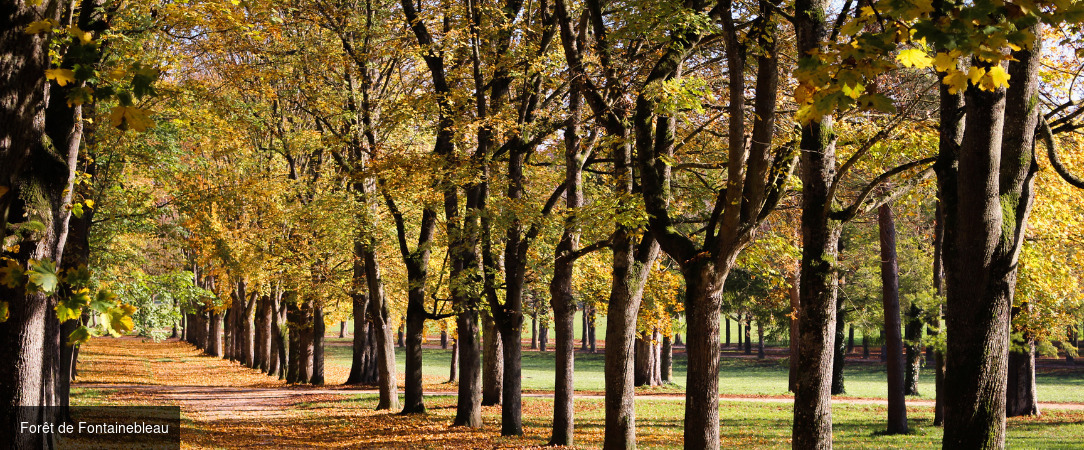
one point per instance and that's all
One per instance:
(812, 427)
(216, 334)
(378, 314)
(987, 200)
(363, 351)
(704, 290)
(739, 323)
(534, 331)
(913, 346)
(24, 95)
(318, 328)
(850, 339)
(401, 340)
(865, 345)
(492, 363)
(667, 360)
(342, 329)
(1020, 397)
(760, 340)
(890, 286)
(648, 359)
(839, 355)
(561, 296)
(543, 336)
(469, 406)
(583, 329)
(592, 342)
(512, 403)
(748, 334)
(443, 339)
(453, 371)
(413, 401)
(305, 329)
(279, 338)
(293, 318)
(727, 320)
(631, 266)
(1071, 343)
(795, 303)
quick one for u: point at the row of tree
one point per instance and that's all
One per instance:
(452, 163)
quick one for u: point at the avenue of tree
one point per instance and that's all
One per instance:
(240, 174)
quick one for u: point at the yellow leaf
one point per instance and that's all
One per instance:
(41, 26)
(956, 81)
(125, 117)
(944, 62)
(116, 118)
(803, 93)
(90, 203)
(995, 78)
(914, 57)
(83, 36)
(62, 76)
(3, 190)
(975, 74)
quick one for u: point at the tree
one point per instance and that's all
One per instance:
(897, 408)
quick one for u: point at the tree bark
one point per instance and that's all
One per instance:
(760, 340)
(469, 405)
(727, 320)
(630, 269)
(453, 370)
(913, 346)
(279, 342)
(583, 329)
(318, 331)
(748, 334)
(667, 360)
(795, 306)
(812, 427)
(293, 319)
(987, 200)
(306, 332)
(1021, 398)
(492, 363)
(378, 314)
(216, 334)
(592, 342)
(363, 350)
(850, 339)
(839, 355)
(897, 408)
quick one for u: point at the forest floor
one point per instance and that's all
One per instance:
(225, 405)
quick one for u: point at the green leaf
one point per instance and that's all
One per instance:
(4, 311)
(43, 275)
(104, 301)
(79, 336)
(72, 307)
(879, 102)
(77, 277)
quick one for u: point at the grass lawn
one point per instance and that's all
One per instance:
(738, 376)
(747, 424)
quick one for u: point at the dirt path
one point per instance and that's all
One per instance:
(226, 405)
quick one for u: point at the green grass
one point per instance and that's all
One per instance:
(659, 424)
(737, 376)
